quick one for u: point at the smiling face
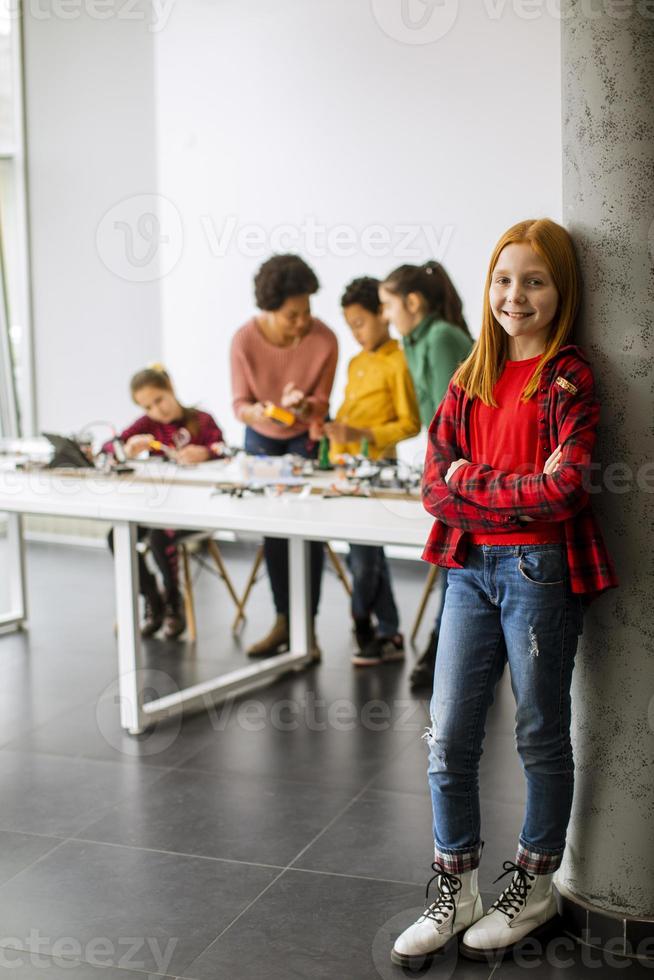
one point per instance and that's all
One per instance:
(523, 299)
(159, 404)
(368, 329)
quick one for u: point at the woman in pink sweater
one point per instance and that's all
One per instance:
(285, 356)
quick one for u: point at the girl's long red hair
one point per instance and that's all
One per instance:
(483, 366)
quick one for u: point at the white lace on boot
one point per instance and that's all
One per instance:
(525, 904)
(457, 905)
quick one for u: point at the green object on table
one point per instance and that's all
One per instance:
(324, 462)
(365, 448)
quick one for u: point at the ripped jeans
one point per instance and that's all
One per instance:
(510, 603)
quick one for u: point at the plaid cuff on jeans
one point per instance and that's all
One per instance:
(460, 861)
(537, 863)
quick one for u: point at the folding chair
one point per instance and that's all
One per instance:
(430, 585)
(186, 547)
(241, 604)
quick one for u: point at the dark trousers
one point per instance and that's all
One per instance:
(163, 546)
(372, 591)
(276, 549)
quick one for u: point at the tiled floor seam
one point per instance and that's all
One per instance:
(55, 847)
(102, 810)
(289, 867)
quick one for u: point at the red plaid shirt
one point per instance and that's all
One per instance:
(480, 498)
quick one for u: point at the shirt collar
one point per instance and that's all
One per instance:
(419, 332)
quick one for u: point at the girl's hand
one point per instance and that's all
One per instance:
(136, 445)
(453, 467)
(341, 432)
(552, 464)
(316, 430)
(190, 455)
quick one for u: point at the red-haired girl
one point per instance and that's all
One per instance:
(507, 471)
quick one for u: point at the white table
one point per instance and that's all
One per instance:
(174, 498)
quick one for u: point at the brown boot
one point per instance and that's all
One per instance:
(153, 614)
(174, 618)
(277, 640)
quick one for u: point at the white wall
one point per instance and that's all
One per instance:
(266, 114)
(91, 144)
(284, 113)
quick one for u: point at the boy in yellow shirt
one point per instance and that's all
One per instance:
(380, 406)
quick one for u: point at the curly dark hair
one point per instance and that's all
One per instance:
(365, 292)
(283, 276)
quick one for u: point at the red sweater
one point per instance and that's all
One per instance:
(208, 432)
(506, 438)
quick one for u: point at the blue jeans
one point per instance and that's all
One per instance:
(510, 603)
(276, 549)
(371, 587)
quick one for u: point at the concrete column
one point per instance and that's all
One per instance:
(608, 205)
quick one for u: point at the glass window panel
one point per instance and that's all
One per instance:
(8, 27)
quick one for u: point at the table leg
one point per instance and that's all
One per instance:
(300, 596)
(15, 618)
(130, 674)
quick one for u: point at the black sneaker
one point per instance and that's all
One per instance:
(422, 675)
(381, 650)
(363, 633)
(153, 615)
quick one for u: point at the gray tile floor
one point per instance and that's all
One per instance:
(286, 834)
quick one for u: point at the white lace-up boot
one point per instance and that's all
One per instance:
(457, 905)
(525, 905)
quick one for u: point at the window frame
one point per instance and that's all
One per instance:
(18, 419)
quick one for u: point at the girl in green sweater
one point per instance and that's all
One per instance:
(427, 311)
